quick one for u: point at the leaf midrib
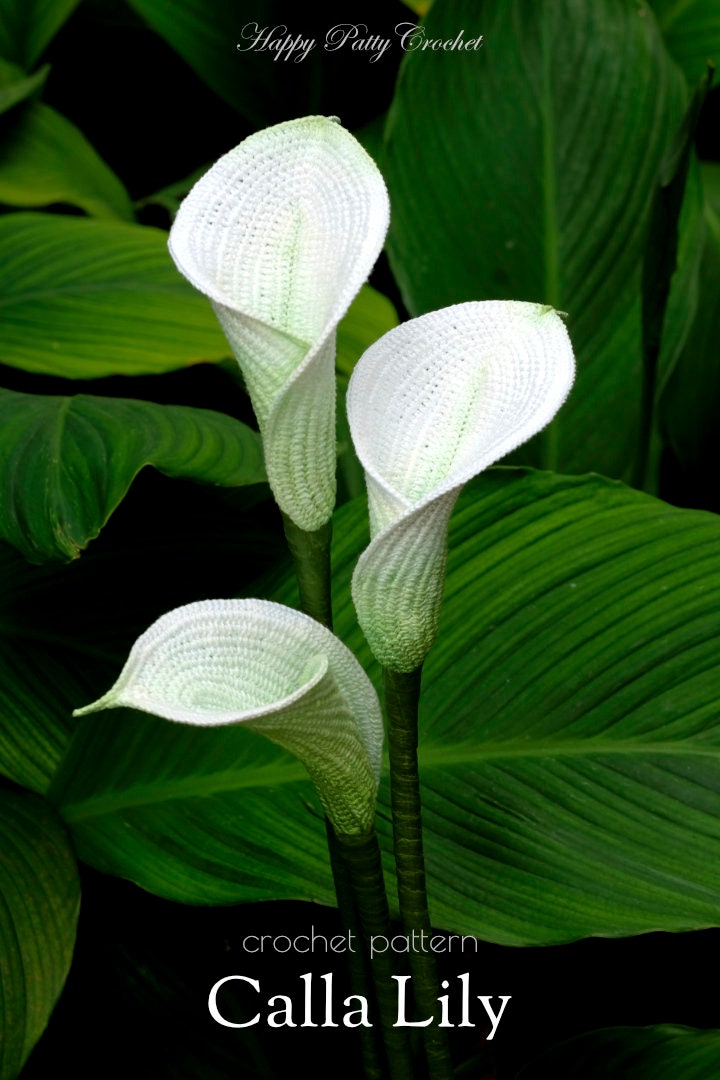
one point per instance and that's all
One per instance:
(291, 772)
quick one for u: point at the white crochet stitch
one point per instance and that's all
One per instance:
(280, 234)
(431, 404)
(274, 670)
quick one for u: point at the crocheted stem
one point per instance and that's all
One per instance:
(362, 859)
(357, 961)
(311, 557)
(402, 694)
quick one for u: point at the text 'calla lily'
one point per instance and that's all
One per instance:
(431, 404)
(280, 234)
(279, 673)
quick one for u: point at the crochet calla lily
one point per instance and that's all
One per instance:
(280, 234)
(277, 672)
(431, 404)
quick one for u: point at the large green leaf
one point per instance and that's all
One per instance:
(649, 1053)
(537, 186)
(67, 462)
(39, 903)
(27, 26)
(45, 159)
(207, 37)
(691, 29)
(84, 299)
(569, 745)
(66, 628)
(369, 317)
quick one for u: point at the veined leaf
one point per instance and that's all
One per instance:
(84, 299)
(524, 193)
(65, 629)
(39, 903)
(640, 1053)
(569, 743)
(45, 159)
(67, 462)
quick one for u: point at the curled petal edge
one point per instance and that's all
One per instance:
(277, 672)
(280, 234)
(431, 404)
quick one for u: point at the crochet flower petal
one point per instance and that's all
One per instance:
(431, 404)
(274, 670)
(280, 234)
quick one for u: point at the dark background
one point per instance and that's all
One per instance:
(135, 1002)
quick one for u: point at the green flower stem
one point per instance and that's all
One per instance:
(359, 981)
(311, 556)
(362, 859)
(360, 889)
(402, 694)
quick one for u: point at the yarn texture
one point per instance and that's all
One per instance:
(279, 673)
(431, 404)
(280, 234)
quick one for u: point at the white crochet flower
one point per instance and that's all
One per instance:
(431, 404)
(280, 234)
(274, 670)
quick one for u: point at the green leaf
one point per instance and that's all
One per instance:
(84, 299)
(45, 159)
(16, 86)
(642, 1053)
(691, 29)
(65, 629)
(538, 189)
(207, 35)
(39, 903)
(660, 264)
(28, 26)
(691, 397)
(67, 462)
(170, 197)
(569, 747)
(369, 317)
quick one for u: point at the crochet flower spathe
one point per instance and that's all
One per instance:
(275, 671)
(280, 234)
(431, 404)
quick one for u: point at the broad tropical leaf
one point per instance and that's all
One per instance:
(569, 744)
(39, 903)
(84, 299)
(45, 159)
(67, 462)
(522, 194)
